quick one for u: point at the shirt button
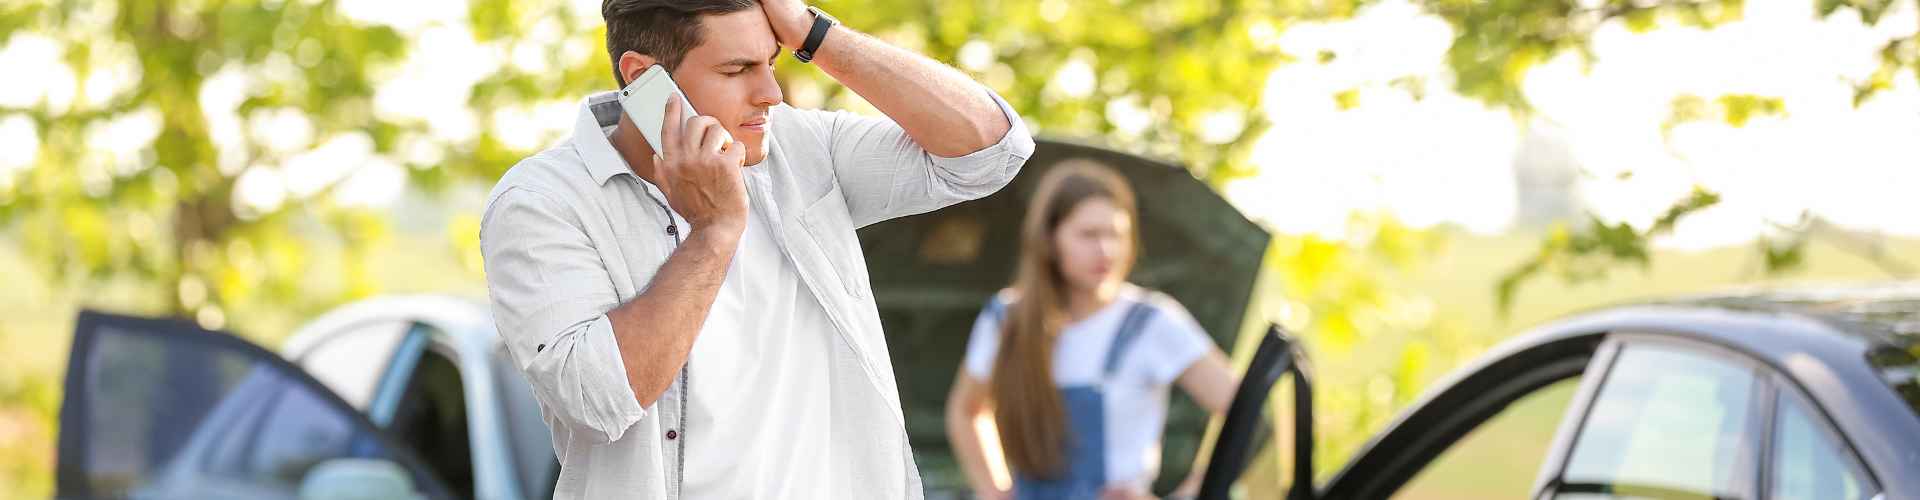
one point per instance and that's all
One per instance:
(671, 434)
(672, 230)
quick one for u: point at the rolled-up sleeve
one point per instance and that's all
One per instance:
(884, 174)
(550, 293)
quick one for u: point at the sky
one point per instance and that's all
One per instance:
(1439, 159)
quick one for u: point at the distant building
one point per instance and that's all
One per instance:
(1547, 178)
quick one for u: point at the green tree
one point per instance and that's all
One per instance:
(1178, 78)
(161, 211)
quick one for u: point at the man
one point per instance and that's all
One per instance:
(696, 322)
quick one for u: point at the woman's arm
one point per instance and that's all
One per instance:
(966, 407)
(1210, 381)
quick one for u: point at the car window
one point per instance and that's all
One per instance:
(1269, 470)
(1500, 458)
(349, 362)
(1899, 367)
(432, 420)
(199, 415)
(1668, 423)
(1253, 454)
(534, 461)
(288, 431)
(1810, 462)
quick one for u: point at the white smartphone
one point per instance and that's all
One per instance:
(645, 100)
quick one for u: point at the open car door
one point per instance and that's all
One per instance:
(163, 410)
(1265, 447)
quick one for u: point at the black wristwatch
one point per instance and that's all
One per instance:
(821, 24)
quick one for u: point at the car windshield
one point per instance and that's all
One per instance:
(1895, 313)
(1899, 364)
(1900, 368)
(1886, 311)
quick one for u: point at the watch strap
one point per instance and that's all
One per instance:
(821, 24)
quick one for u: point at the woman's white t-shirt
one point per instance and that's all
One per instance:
(1136, 396)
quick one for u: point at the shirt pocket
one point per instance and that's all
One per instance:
(831, 228)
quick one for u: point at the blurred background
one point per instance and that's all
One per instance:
(1437, 174)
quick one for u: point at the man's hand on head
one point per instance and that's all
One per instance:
(790, 21)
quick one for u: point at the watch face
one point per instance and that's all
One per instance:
(823, 14)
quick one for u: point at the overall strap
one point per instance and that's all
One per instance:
(1130, 327)
(996, 310)
(1130, 330)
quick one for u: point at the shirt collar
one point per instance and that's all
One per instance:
(598, 112)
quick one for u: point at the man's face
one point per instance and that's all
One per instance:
(730, 77)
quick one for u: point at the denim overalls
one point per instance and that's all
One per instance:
(1086, 453)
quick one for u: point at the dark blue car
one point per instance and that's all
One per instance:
(1782, 395)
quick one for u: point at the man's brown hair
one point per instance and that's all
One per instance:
(663, 29)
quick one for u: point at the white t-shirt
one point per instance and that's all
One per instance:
(758, 419)
(1136, 396)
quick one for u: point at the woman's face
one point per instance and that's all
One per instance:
(1092, 242)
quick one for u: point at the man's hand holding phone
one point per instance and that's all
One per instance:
(699, 171)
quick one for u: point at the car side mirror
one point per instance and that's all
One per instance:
(358, 478)
(1247, 425)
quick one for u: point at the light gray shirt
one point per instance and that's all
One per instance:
(571, 233)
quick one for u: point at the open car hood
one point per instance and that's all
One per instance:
(931, 273)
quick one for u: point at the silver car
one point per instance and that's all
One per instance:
(392, 397)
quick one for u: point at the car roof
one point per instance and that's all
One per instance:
(1881, 312)
(467, 324)
(1836, 322)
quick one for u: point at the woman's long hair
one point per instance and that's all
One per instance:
(1031, 416)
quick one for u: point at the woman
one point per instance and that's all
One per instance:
(1072, 364)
